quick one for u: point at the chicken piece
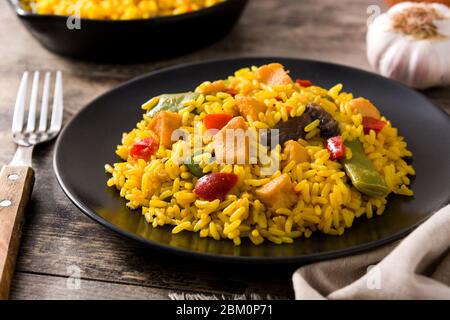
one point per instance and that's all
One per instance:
(295, 151)
(278, 193)
(212, 87)
(249, 106)
(365, 107)
(163, 124)
(273, 74)
(235, 149)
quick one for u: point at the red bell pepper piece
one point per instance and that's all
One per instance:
(335, 147)
(215, 185)
(370, 123)
(304, 83)
(143, 149)
(231, 91)
(289, 109)
(217, 120)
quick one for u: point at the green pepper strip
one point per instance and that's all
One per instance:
(193, 167)
(173, 102)
(362, 173)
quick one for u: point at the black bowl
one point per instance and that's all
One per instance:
(132, 40)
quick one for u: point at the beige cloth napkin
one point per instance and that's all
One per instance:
(416, 268)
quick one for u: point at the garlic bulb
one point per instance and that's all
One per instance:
(411, 43)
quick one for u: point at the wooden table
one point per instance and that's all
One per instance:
(58, 238)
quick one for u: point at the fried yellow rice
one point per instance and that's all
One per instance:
(327, 202)
(116, 9)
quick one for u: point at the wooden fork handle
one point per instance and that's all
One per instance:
(16, 184)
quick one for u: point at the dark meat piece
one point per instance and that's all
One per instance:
(294, 128)
(328, 126)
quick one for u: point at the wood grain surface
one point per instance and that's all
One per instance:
(59, 242)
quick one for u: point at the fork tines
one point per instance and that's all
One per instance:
(43, 130)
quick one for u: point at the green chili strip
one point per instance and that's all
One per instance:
(172, 102)
(362, 173)
(193, 167)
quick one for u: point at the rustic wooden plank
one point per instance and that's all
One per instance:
(29, 286)
(57, 235)
(440, 97)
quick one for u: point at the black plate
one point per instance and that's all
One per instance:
(89, 141)
(133, 40)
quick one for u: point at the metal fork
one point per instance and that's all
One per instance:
(17, 178)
